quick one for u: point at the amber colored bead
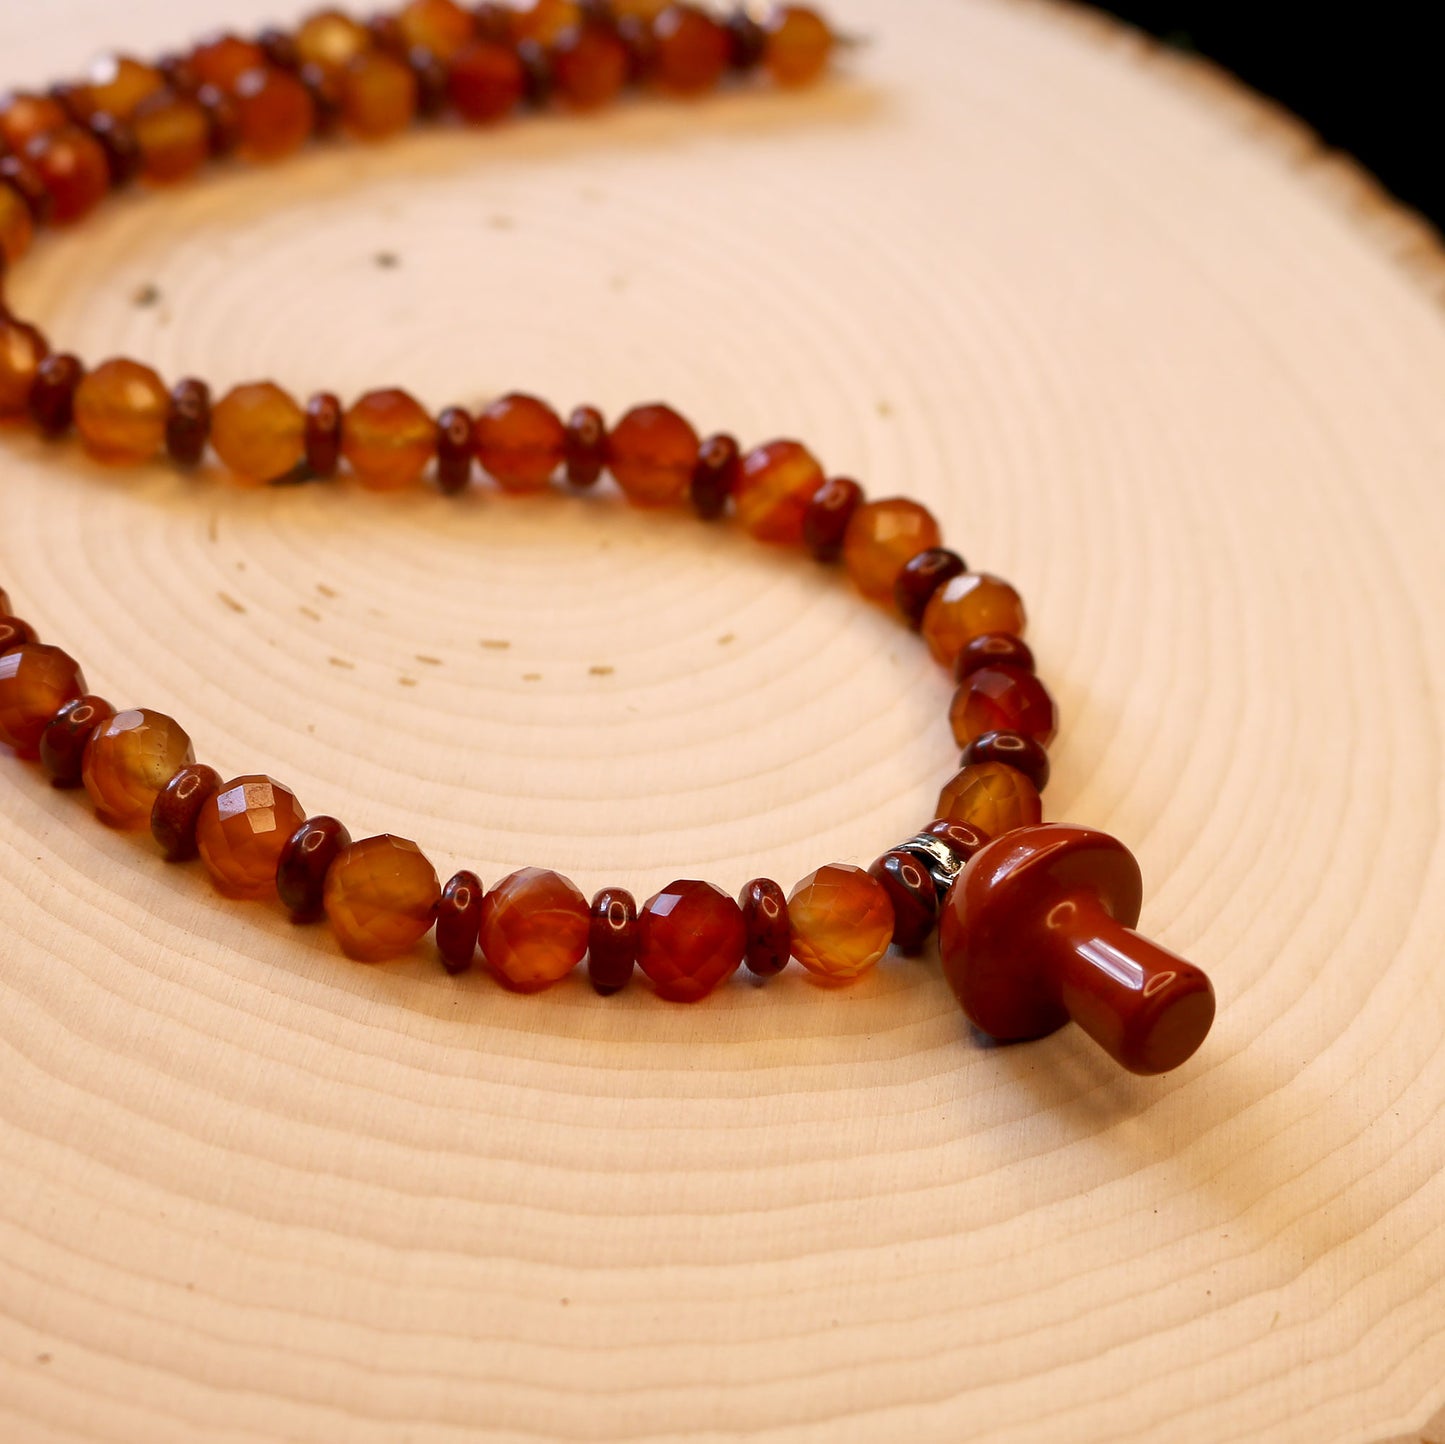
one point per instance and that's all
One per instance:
(15, 632)
(378, 96)
(259, 432)
(589, 66)
(441, 26)
(456, 441)
(826, 518)
(691, 937)
(775, 489)
(305, 861)
(177, 810)
(544, 21)
(174, 137)
(36, 681)
(881, 538)
(17, 226)
(1003, 699)
(277, 114)
(22, 350)
(129, 760)
(242, 832)
(769, 934)
(117, 85)
(1023, 754)
(188, 422)
(747, 41)
(799, 44)
(922, 575)
(612, 941)
(459, 920)
(692, 50)
(719, 460)
(23, 117)
(992, 797)
(969, 606)
(652, 452)
(331, 39)
(63, 743)
(486, 82)
(389, 440)
(324, 417)
(52, 395)
(913, 896)
(222, 61)
(534, 930)
(380, 897)
(120, 412)
(586, 446)
(520, 442)
(842, 922)
(994, 649)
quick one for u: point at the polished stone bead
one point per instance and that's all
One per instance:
(992, 797)
(825, 521)
(188, 422)
(842, 922)
(691, 937)
(652, 453)
(775, 488)
(116, 84)
(486, 82)
(1024, 754)
(969, 606)
(691, 50)
(120, 412)
(276, 112)
(24, 117)
(221, 60)
(63, 743)
(52, 396)
(130, 759)
(441, 26)
(769, 935)
(177, 810)
(1003, 699)
(324, 417)
(914, 898)
(586, 446)
(378, 96)
(305, 861)
(15, 632)
(545, 21)
(331, 39)
(590, 64)
(259, 433)
(174, 137)
(520, 443)
(72, 166)
(389, 440)
(534, 929)
(798, 45)
(994, 649)
(456, 445)
(24, 180)
(36, 681)
(17, 225)
(719, 461)
(243, 830)
(459, 921)
(922, 575)
(612, 941)
(881, 539)
(22, 351)
(380, 897)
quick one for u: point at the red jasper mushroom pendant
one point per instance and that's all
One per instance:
(1038, 929)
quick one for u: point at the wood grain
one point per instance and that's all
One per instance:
(1147, 355)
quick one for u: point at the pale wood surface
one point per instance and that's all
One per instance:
(1116, 330)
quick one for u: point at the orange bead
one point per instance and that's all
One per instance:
(381, 896)
(799, 44)
(259, 432)
(388, 439)
(275, 114)
(991, 797)
(534, 929)
(378, 96)
(545, 20)
(441, 26)
(128, 762)
(72, 166)
(653, 452)
(692, 50)
(22, 349)
(589, 66)
(882, 537)
(690, 937)
(486, 82)
(777, 483)
(24, 117)
(116, 85)
(1003, 699)
(174, 137)
(224, 59)
(842, 922)
(120, 413)
(242, 832)
(17, 225)
(330, 40)
(969, 606)
(36, 681)
(520, 442)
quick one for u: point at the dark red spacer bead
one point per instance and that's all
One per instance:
(323, 434)
(612, 940)
(305, 861)
(52, 397)
(636, 34)
(178, 72)
(122, 150)
(1026, 754)
(537, 80)
(586, 446)
(63, 743)
(455, 449)
(387, 33)
(825, 523)
(921, 576)
(15, 633)
(960, 839)
(431, 81)
(324, 88)
(279, 47)
(178, 809)
(188, 422)
(914, 897)
(719, 460)
(223, 120)
(25, 181)
(769, 934)
(494, 22)
(747, 42)
(459, 920)
(995, 649)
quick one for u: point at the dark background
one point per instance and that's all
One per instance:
(1364, 77)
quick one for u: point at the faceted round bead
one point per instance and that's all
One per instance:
(174, 138)
(777, 485)
(970, 606)
(380, 897)
(188, 422)
(378, 96)
(22, 349)
(277, 114)
(922, 575)
(691, 937)
(486, 82)
(589, 66)
(520, 443)
(15, 632)
(1003, 699)
(456, 446)
(243, 830)
(120, 412)
(1023, 754)
(543, 21)
(23, 117)
(994, 649)
(992, 797)
(17, 226)
(441, 26)
(719, 461)
(798, 45)
(459, 921)
(63, 743)
(305, 861)
(881, 538)
(178, 810)
(612, 941)
(129, 761)
(769, 934)
(653, 452)
(72, 166)
(324, 416)
(586, 446)
(52, 397)
(223, 59)
(36, 681)
(389, 440)
(691, 50)
(534, 931)
(913, 896)
(117, 85)
(331, 40)
(259, 432)
(825, 521)
(842, 922)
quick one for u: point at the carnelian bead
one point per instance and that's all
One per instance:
(652, 452)
(331, 40)
(378, 96)
(63, 743)
(36, 681)
(174, 136)
(520, 442)
(277, 115)
(969, 606)
(380, 897)
(994, 649)
(825, 522)
(534, 929)
(586, 446)
(120, 412)
(769, 933)
(589, 65)
(129, 760)
(486, 82)
(22, 349)
(456, 443)
(922, 575)
(842, 922)
(719, 461)
(459, 921)
(881, 538)
(1003, 699)
(243, 830)
(24, 116)
(188, 422)
(914, 898)
(777, 485)
(1023, 754)
(178, 810)
(612, 941)
(305, 861)
(798, 45)
(441, 26)
(116, 85)
(52, 397)
(992, 797)
(692, 50)
(72, 166)
(389, 440)
(15, 632)
(543, 21)
(259, 432)
(690, 937)
(17, 225)
(223, 60)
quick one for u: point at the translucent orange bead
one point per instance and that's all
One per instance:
(22, 349)
(23, 117)
(36, 681)
(259, 432)
(1003, 699)
(690, 938)
(174, 137)
(275, 114)
(692, 50)
(330, 40)
(17, 225)
(389, 440)
(882, 537)
(378, 96)
(589, 66)
(842, 922)
(991, 797)
(380, 897)
(799, 44)
(520, 442)
(966, 607)
(223, 60)
(772, 494)
(128, 763)
(441, 26)
(116, 85)
(120, 412)
(652, 452)
(534, 929)
(73, 168)
(544, 20)
(242, 832)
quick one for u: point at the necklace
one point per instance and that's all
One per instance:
(1035, 921)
